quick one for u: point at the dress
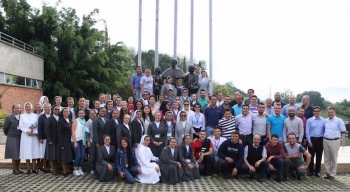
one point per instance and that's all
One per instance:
(41, 134)
(144, 157)
(29, 144)
(13, 140)
(168, 161)
(51, 150)
(186, 157)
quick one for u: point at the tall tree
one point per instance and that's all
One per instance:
(315, 98)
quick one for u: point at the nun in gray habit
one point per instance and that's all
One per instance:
(170, 165)
(189, 163)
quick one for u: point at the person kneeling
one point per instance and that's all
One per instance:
(255, 159)
(127, 165)
(169, 164)
(105, 166)
(203, 152)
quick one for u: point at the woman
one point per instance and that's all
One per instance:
(170, 165)
(164, 107)
(112, 126)
(105, 166)
(29, 149)
(189, 163)
(161, 99)
(197, 120)
(158, 133)
(64, 135)
(131, 103)
(124, 130)
(42, 136)
(52, 148)
(43, 100)
(38, 109)
(183, 127)
(124, 109)
(127, 164)
(175, 109)
(12, 147)
(139, 106)
(109, 108)
(152, 104)
(138, 129)
(147, 117)
(98, 125)
(150, 170)
(89, 137)
(204, 83)
(78, 142)
(168, 86)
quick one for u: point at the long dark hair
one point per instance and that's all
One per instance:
(163, 107)
(135, 107)
(151, 117)
(128, 151)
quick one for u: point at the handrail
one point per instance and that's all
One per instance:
(17, 43)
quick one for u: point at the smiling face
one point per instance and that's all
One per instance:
(107, 140)
(16, 109)
(28, 108)
(81, 114)
(172, 143)
(146, 141)
(124, 144)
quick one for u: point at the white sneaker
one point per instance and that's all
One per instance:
(81, 172)
(76, 172)
(92, 172)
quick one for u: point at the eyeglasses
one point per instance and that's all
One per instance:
(197, 107)
(145, 94)
(186, 104)
(184, 92)
(56, 109)
(183, 115)
(316, 111)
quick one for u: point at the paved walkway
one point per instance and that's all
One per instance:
(47, 182)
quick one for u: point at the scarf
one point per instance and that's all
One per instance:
(83, 127)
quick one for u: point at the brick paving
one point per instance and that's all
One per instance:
(48, 182)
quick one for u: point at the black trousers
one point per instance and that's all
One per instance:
(317, 148)
(226, 167)
(206, 166)
(246, 139)
(261, 170)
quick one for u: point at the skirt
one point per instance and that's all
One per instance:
(66, 154)
(12, 148)
(51, 152)
(42, 147)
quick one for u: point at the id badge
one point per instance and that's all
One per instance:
(158, 136)
(197, 127)
(126, 165)
(169, 135)
(188, 160)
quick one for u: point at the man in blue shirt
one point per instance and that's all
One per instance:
(334, 127)
(275, 123)
(135, 83)
(237, 109)
(212, 116)
(314, 137)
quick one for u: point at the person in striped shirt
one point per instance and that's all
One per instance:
(227, 124)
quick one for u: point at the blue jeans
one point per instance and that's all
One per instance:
(79, 154)
(209, 130)
(137, 94)
(278, 165)
(130, 173)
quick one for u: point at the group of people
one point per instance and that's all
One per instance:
(174, 137)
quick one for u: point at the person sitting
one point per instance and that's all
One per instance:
(255, 159)
(150, 170)
(105, 165)
(189, 163)
(294, 157)
(170, 165)
(231, 155)
(216, 140)
(203, 150)
(126, 162)
(275, 157)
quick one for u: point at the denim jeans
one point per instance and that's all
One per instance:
(137, 94)
(209, 130)
(278, 165)
(130, 173)
(79, 154)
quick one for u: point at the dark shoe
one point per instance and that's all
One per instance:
(225, 176)
(286, 178)
(298, 177)
(317, 174)
(47, 171)
(35, 172)
(251, 176)
(329, 177)
(310, 174)
(278, 179)
(29, 171)
(268, 176)
(65, 174)
(16, 172)
(260, 179)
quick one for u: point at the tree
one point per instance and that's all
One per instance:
(315, 98)
(285, 95)
(227, 89)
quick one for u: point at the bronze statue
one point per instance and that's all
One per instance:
(191, 80)
(173, 72)
(157, 82)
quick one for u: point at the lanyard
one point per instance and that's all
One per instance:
(216, 144)
(197, 119)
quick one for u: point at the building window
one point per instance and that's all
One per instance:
(20, 81)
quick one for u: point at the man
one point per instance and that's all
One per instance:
(244, 124)
(259, 124)
(193, 100)
(108, 97)
(300, 114)
(170, 125)
(269, 109)
(250, 94)
(101, 99)
(314, 136)
(277, 100)
(226, 104)
(306, 105)
(145, 98)
(231, 154)
(70, 103)
(275, 123)
(87, 104)
(171, 96)
(173, 72)
(216, 140)
(220, 100)
(81, 103)
(234, 102)
(212, 116)
(58, 102)
(135, 83)
(291, 104)
(96, 106)
(237, 109)
(294, 158)
(227, 124)
(275, 156)
(146, 82)
(203, 150)
(334, 127)
(118, 103)
(253, 106)
(203, 99)
(255, 159)
(184, 96)
(293, 125)
(188, 111)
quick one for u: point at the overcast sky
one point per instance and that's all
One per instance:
(298, 45)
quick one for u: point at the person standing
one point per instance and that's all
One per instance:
(52, 148)
(78, 141)
(277, 100)
(275, 123)
(146, 82)
(183, 127)
(293, 125)
(314, 137)
(237, 108)
(167, 86)
(227, 124)
(135, 82)
(111, 127)
(205, 83)
(98, 126)
(291, 104)
(124, 130)
(306, 105)
(138, 129)
(13, 140)
(259, 124)
(334, 127)
(158, 133)
(42, 134)
(244, 123)
(89, 139)
(212, 116)
(269, 109)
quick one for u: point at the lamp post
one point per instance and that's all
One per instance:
(157, 34)
(191, 36)
(139, 35)
(210, 41)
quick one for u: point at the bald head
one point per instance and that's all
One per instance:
(256, 140)
(292, 99)
(305, 100)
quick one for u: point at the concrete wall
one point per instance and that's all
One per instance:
(18, 94)
(18, 62)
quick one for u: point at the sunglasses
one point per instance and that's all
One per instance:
(186, 104)
(56, 109)
(183, 115)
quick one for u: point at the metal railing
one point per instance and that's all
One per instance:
(17, 43)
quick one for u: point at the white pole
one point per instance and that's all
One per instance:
(156, 43)
(175, 29)
(140, 27)
(210, 41)
(191, 40)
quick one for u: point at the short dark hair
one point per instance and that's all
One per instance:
(202, 90)
(254, 96)
(217, 127)
(228, 109)
(245, 105)
(251, 90)
(261, 103)
(291, 134)
(317, 107)
(235, 133)
(275, 136)
(330, 108)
